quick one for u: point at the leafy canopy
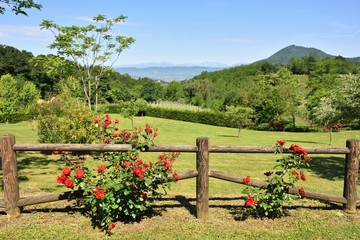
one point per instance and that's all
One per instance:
(18, 6)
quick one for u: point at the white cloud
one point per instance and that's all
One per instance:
(23, 32)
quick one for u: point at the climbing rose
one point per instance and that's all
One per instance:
(112, 226)
(138, 171)
(250, 201)
(99, 194)
(176, 176)
(127, 163)
(79, 173)
(66, 171)
(246, 180)
(107, 122)
(69, 183)
(61, 179)
(281, 142)
(293, 172)
(101, 169)
(301, 191)
(303, 177)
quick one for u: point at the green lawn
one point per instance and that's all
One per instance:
(172, 217)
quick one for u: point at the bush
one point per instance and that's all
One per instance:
(65, 123)
(118, 188)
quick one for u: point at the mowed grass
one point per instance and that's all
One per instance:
(173, 216)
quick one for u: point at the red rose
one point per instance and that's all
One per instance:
(127, 163)
(66, 171)
(167, 164)
(79, 173)
(101, 169)
(57, 152)
(69, 183)
(281, 142)
(250, 201)
(148, 130)
(303, 177)
(99, 194)
(301, 191)
(117, 121)
(107, 122)
(143, 195)
(246, 180)
(176, 176)
(61, 179)
(138, 172)
(293, 172)
(111, 226)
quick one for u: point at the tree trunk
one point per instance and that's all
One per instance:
(330, 131)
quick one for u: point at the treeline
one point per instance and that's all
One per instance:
(261, 94)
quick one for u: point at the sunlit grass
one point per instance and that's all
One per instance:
(174, 217)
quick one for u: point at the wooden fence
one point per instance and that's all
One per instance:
(12, 200)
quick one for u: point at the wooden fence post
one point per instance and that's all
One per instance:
(351, 175)
(202, 180)
(10, 175)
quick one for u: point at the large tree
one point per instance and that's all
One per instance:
(93, 48)
(14, 61)
(18, 6)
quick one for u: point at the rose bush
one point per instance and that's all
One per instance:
(269, 201)
(121, 182)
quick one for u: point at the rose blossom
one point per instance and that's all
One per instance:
(66, 171)
(69, 183)
(79, 173)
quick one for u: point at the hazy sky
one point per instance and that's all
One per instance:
(195, 31)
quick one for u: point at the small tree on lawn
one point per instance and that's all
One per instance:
(92, 48)
(327, 114)
(240, 115)
(131, 108)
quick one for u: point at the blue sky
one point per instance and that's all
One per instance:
(195, 31)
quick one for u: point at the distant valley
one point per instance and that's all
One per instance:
(167, 74)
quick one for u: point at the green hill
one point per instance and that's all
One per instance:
(284, 55)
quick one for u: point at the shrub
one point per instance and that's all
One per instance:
(269, 201)
(119, 187)
(65, 123)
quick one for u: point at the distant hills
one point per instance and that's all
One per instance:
(284, 55)
(168, 72)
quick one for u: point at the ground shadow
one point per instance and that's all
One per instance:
(312, 142)
(229, 136)
(328, 167)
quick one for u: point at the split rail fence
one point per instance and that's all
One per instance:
(12, 201)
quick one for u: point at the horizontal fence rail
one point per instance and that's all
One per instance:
(12, 200)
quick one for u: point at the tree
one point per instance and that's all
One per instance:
(131, 108)
(16, 95)
(18, 6)
(348, 99)
(92, 48)
(47, 71)
(240, 115)
(14, 62)
(327, 114)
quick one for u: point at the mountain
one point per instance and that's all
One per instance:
(167, 74)
(284, 55)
